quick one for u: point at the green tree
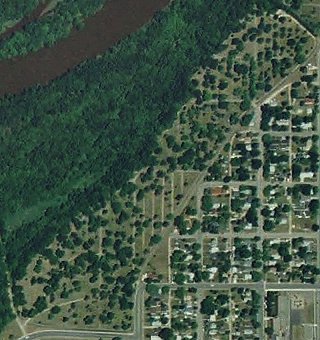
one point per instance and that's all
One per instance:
(207, 306)
(167, 334)
(207, 203)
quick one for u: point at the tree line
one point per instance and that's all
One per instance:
(6, 314)
(14, 10)
(47, 30)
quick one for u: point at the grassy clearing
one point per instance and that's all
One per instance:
(11, 332)
(159, 263)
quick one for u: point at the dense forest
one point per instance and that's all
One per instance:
(14, 10)
(45, 31)
(67, 147)
(6, 314)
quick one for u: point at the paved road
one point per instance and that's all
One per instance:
(317, 309)
(138, 314)
(252, 285)
(236, 184)
(263, 234)
(65, 334)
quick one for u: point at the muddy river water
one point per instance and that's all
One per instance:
(116, 20)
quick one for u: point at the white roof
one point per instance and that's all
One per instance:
(305, 175)
(306, 126)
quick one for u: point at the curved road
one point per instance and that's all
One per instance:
(48, 334)
(137, 334)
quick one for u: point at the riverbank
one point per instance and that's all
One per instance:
(116, 20)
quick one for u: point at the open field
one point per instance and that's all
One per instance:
(293, 311)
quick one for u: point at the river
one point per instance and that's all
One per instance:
(116, 20)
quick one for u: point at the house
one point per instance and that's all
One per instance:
(309, 102)
(305, 175)
(306, 126)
